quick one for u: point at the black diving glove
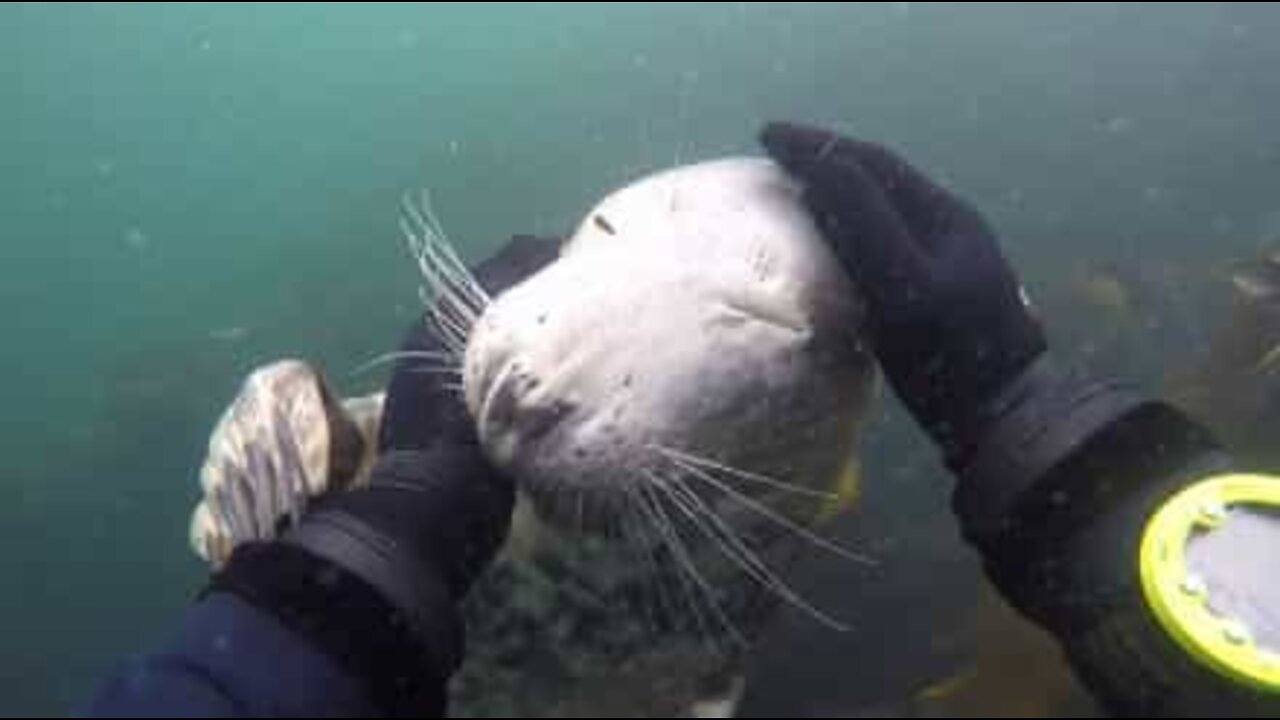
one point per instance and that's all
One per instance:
(947, 317)
(954, 332)
(374, 576)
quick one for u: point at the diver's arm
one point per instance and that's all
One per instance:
(1075, 493)
(354, 611)
(1083, 499)
(230, 659)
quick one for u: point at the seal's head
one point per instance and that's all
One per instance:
(695, 333)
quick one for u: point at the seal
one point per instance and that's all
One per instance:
(678, 397)
(695, 322)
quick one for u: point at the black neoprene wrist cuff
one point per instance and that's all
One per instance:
(404, 666)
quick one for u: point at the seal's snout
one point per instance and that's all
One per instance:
(513, 403)
(516, 406)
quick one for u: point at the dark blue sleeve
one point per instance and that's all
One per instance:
(229, 659)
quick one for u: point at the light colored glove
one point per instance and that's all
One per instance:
(282, 442)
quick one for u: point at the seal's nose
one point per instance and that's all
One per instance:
(511, 402)
(516, 405)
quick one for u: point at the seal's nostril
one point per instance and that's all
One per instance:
(537, 420)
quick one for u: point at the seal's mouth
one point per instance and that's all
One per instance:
(514, 406)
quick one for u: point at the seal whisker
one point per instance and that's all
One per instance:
(681, 458)
(736, 549)
(442, 282)
(392, 357)
(453, 330)
(454, 296)
(686, 558)
(644, 595)
(681, 553)
(778, 518)
(683, 587)
(434, 229)
(459, 323)
(419, 212)
(448, 309)
(450, 301)
(434, 248)
(454, 339)
(452, 372)
(665, 607)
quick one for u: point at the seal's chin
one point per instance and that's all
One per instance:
(602, 509)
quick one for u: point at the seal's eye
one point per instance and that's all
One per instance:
(603, 224)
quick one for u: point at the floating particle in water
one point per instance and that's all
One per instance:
(455, 148)
(1118, 125)
(1223, 225)
(123, 506)
(640, 61)
(409, 39)
(229, 334)
(136, 239)
(1154, 194)
(205, 45)
(972, 110)
(104, 167)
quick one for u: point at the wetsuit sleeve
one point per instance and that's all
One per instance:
(1067, 501)
(229, 659)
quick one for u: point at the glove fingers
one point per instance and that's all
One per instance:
(853, 211)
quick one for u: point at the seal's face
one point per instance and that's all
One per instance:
(696, 320)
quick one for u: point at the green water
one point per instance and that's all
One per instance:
(189, 190)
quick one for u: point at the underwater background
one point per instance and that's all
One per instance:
(190, 190)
